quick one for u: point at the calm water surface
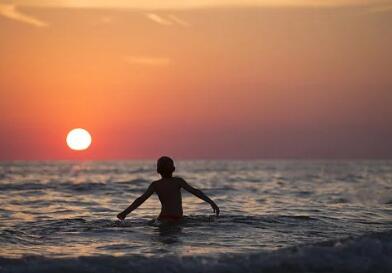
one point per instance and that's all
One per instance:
(276, 216)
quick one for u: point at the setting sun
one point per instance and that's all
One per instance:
(78, 139)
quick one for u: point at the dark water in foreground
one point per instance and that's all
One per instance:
(277, 216)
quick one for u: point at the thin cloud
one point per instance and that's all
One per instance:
(158, 19)
(191, 4)
(179, 21)
(11, 12)
(169, 20)
(148, 61)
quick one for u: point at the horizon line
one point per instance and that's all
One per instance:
(209, 159)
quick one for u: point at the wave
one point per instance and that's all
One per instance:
(138, 185)
(42, 227)
(24, 186)
(187, 221)
(364, 254)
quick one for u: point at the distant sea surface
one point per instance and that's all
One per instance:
(276, 216)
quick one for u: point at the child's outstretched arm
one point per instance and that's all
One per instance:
(199, 194)
(138, 201)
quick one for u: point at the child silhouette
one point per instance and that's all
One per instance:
(168, 189)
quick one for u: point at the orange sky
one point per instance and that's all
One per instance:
(294, 79)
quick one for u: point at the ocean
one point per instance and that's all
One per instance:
(276, 216)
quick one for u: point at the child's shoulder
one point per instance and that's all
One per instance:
(178, 178)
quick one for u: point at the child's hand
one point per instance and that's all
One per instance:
(121, 215)
(215, 208)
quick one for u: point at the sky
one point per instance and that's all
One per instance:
(225, 79)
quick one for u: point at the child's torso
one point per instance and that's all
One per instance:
(169, 193)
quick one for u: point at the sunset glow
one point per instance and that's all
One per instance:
(194, 79)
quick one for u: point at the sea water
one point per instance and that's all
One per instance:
(276, 216)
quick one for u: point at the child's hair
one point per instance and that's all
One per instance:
(165, 166)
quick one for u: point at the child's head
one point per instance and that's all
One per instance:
(165, 166)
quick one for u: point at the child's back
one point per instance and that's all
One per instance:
(169, 193)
